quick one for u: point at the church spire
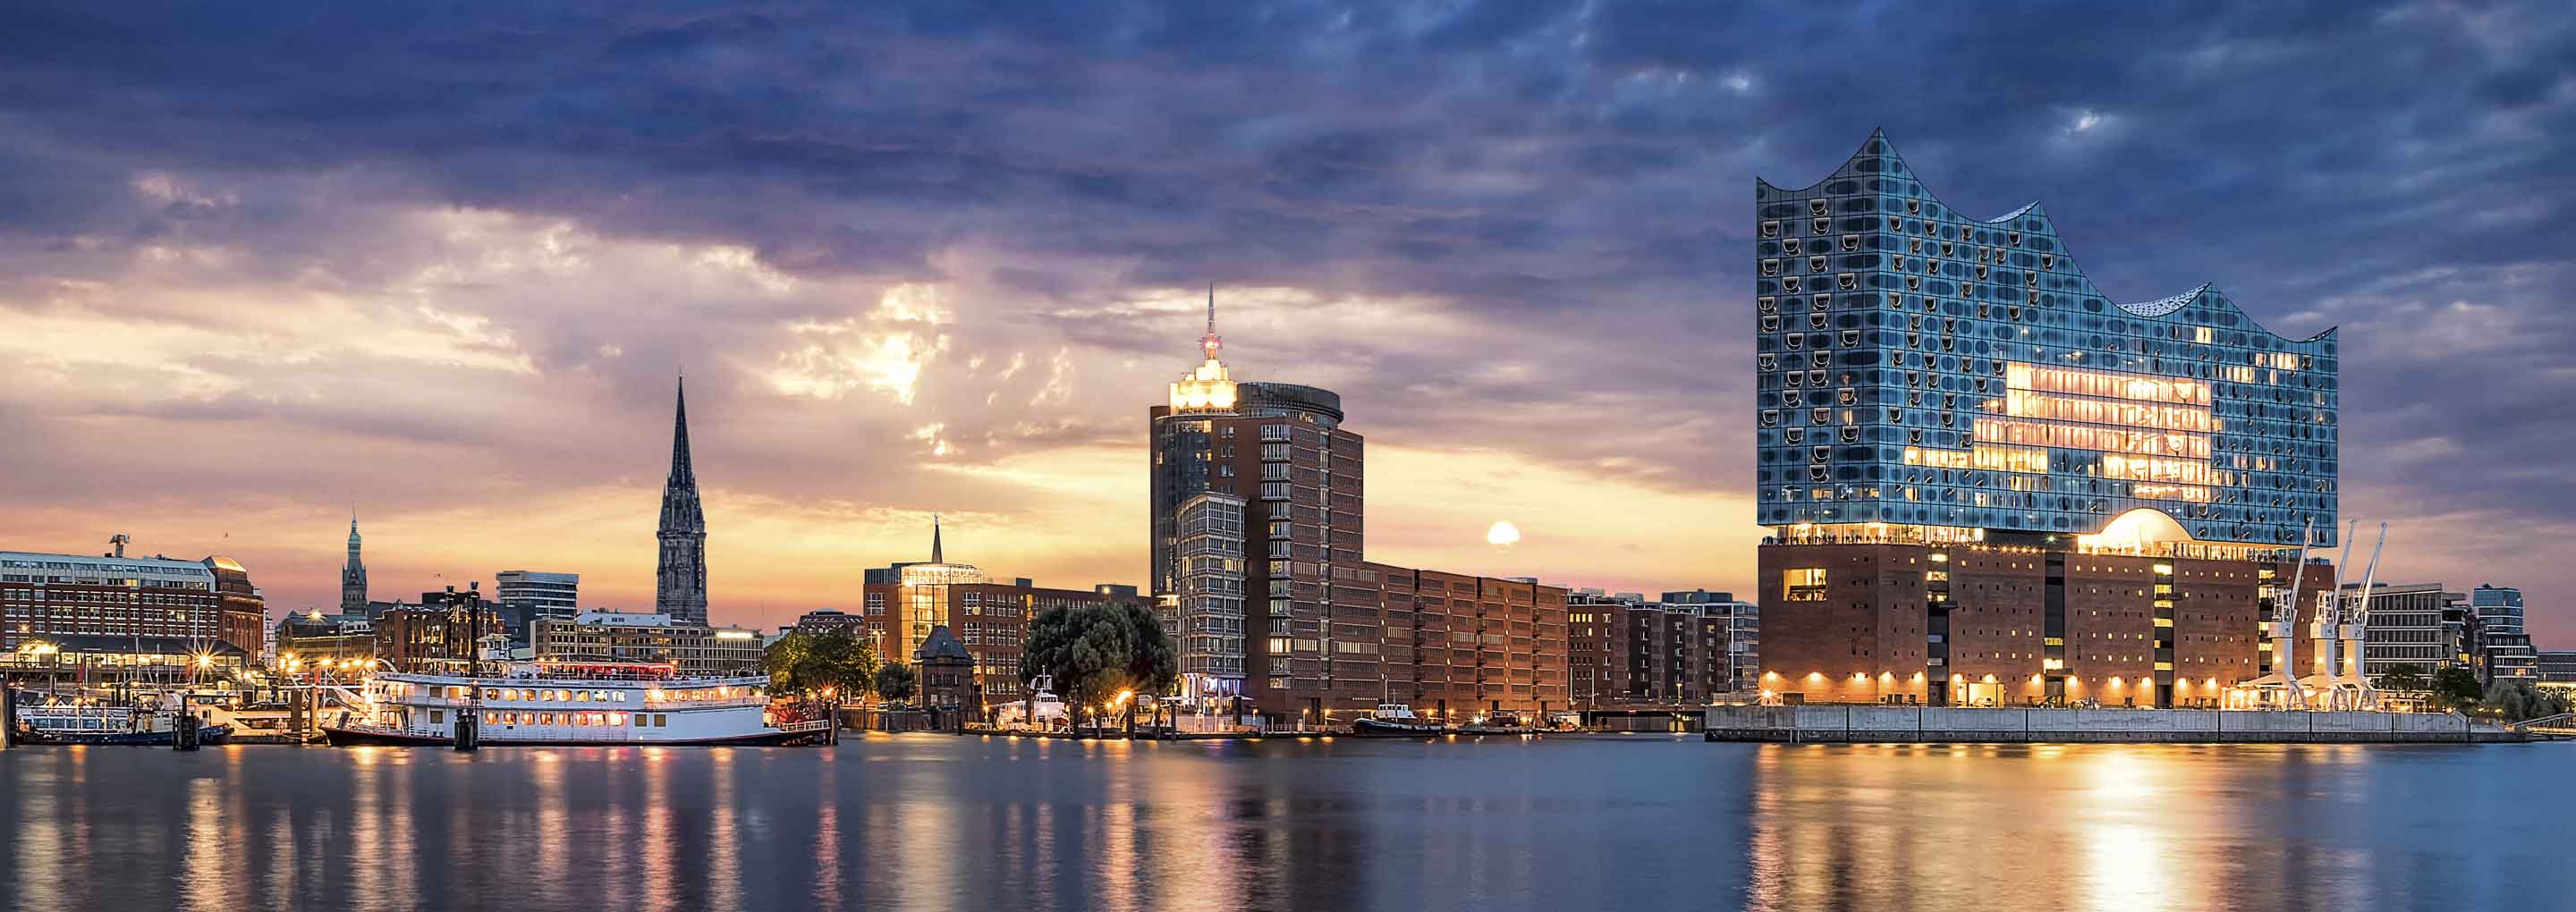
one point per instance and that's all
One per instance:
(680, 584)
(935, 556)
(681, 472)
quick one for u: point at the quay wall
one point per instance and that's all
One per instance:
(1871, 724)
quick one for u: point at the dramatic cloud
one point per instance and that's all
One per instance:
(259, 264)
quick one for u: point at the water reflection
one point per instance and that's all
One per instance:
(934, 822)
(2131, 827)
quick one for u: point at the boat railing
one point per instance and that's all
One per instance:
(638, 705)
(578, 683)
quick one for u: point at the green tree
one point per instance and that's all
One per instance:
(1154, 665)
(1096, 652)
(2403, 679)
(834, 663)
(896, 681)
(2456, 687)
(2517, 701)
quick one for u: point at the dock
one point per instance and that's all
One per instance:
(1871, 724)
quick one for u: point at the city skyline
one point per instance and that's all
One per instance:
(460, 309)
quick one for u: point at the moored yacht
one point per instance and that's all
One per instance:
(146, 723)
(1395, 720)
(573, 703)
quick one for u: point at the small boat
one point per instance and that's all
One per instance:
(77, 723)
(1502, 723)
(1042, 711)
(1395, 720)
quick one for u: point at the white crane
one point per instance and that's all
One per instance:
(2355, 628)
(2341, 629)
(2280, 689)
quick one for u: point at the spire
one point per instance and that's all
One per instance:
(680, 577)
(1210, 343)
(935, 556)
(353, 574)
(681, 473)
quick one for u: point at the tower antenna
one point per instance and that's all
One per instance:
(1209, 344)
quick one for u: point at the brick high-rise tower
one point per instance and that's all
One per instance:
(680, 584)
(1281, 449)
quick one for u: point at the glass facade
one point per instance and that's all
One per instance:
(923, 601)
(1919, 367)
(2499, 608)
(1209, 610)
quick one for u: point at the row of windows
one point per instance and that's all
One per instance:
(640, 720)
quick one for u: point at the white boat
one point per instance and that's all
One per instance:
(87, 722)
(560, 703)
(1042, 710)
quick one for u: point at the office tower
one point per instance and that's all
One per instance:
(1282, 450)
(527, 595)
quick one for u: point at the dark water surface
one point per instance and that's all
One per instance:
(938, 822)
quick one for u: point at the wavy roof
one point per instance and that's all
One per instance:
(1876, 159)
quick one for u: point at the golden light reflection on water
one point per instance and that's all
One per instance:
(937, 822)
(552, 861)
(43, 831)
(827, 839)
(660, 835)
(724, 846)
(209, 885)
(2131, 828)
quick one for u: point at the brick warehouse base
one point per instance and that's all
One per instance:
(1940, 725)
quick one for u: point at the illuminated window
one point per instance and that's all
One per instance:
(1803, 584)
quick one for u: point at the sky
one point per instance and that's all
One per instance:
(265, 264)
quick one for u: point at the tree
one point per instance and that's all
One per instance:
(2517, 701)
(1154, 666)
(2456, 687)
(1096, 652)
(834, 662)
(895, 681)
(2403, 679)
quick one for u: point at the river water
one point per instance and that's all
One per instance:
(942, 822)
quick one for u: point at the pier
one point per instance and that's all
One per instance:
(1867, 724)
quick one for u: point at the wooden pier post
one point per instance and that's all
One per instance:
(469, 731)
(8, 713)
(183, 728)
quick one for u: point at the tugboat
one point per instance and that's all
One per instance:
(1395, 720)
(78, 723)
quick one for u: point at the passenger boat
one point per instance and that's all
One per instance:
(1395, 720)
(84, 723)
(587, 703)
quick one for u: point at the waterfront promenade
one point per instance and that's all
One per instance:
(1838, 723)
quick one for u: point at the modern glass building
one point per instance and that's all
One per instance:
(1925, 374)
